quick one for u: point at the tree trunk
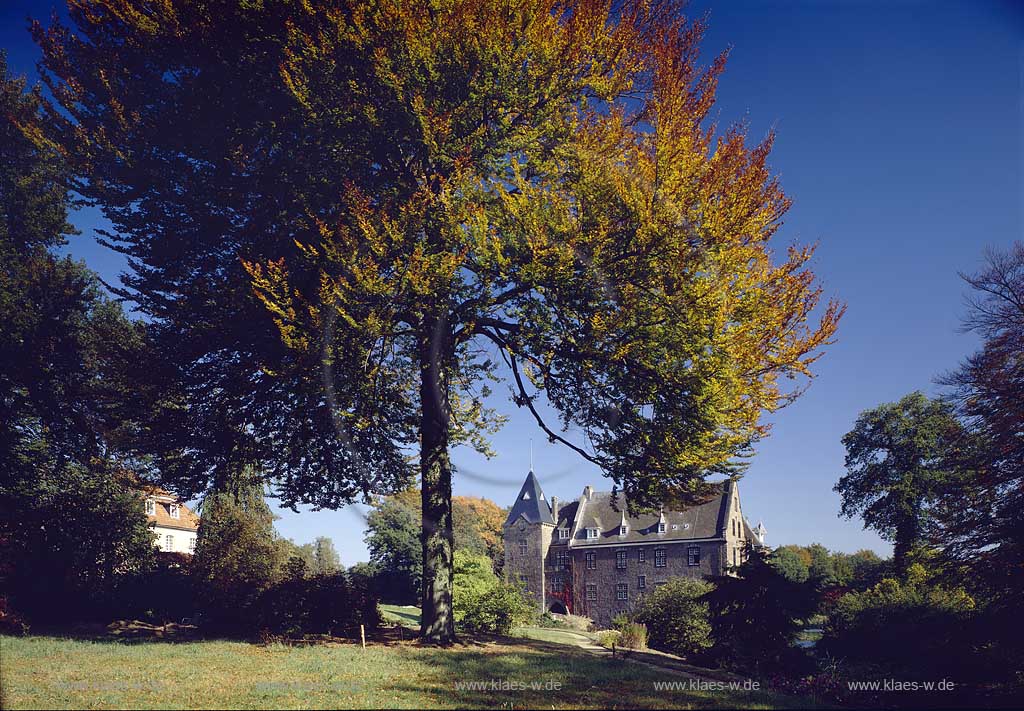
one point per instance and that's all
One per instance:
(908, 535)
(437, 624)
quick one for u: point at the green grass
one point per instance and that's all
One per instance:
(405, 615)
(52, 672)
(555, 635)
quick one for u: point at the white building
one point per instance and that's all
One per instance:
(174, 523)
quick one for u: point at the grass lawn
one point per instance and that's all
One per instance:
(51, 672)
(405, 615)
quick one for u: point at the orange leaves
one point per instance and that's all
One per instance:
(544, 174)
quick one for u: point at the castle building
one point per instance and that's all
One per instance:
(591, 558)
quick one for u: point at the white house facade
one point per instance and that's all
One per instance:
(173, 523)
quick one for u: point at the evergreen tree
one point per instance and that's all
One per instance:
(238, 556)
(71, 523)
(325, 557)
(755, 617)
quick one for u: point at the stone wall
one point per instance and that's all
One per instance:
(607, 577)
(527, 568)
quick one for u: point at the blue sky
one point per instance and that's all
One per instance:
(901, 140)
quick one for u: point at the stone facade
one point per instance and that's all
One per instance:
(591, 558)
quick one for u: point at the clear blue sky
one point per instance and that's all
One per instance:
(901, 139)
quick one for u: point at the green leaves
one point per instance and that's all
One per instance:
(899, 461)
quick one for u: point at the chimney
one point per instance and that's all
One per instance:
(554, 508)
(588, 492)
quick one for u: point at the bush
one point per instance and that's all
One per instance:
(633, 635)
(329, 604)
(676, 616)
(483, 603)
(498, 610)
(903, 629)
(11, 622)
(164, 593)
(69, 537)
(609, 638)
(576, 622)
(755, 619)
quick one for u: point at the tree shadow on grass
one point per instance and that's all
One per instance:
(528, 675)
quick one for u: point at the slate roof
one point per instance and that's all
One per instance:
(706, 520)
(531, 504)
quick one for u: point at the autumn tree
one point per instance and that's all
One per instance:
(428, 197)
(393, 530)
(900, 459)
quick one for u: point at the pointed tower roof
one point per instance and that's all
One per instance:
(531, 503)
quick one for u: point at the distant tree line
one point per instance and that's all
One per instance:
(943, 480)
(393, 537)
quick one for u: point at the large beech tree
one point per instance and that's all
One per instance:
(427, 197)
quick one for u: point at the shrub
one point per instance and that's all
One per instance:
(609, 638)
(633, 635)
(903, 628)
(755, 619)
(238, 556)
(70, 535)
(163, 593)
(676, 616)
(11, 622)
(497, 610)
(329, 603)
(483, 603)
(576, 622)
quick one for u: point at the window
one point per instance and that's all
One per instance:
(735, 556)
(563, 534)
(659, 558)
(562, 559)
(150, 507)
(169, 543)
(693, 556)
(620, 560)
(523, 580)
(191, 545)
(591, 533)
(556, 583)
(591, 591)
(622, 591)
(591, 560)
(643, 556)
(175, 513)
(641, 581)
(623, 530)
(661, 527)
(522, 546)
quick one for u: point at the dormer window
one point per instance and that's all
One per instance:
(150, 507)
(623, 530)
(174, 511)
(526, 496)
(662, 527)
(563, 534)
(591, 534)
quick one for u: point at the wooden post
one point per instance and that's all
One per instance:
(362, 635)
